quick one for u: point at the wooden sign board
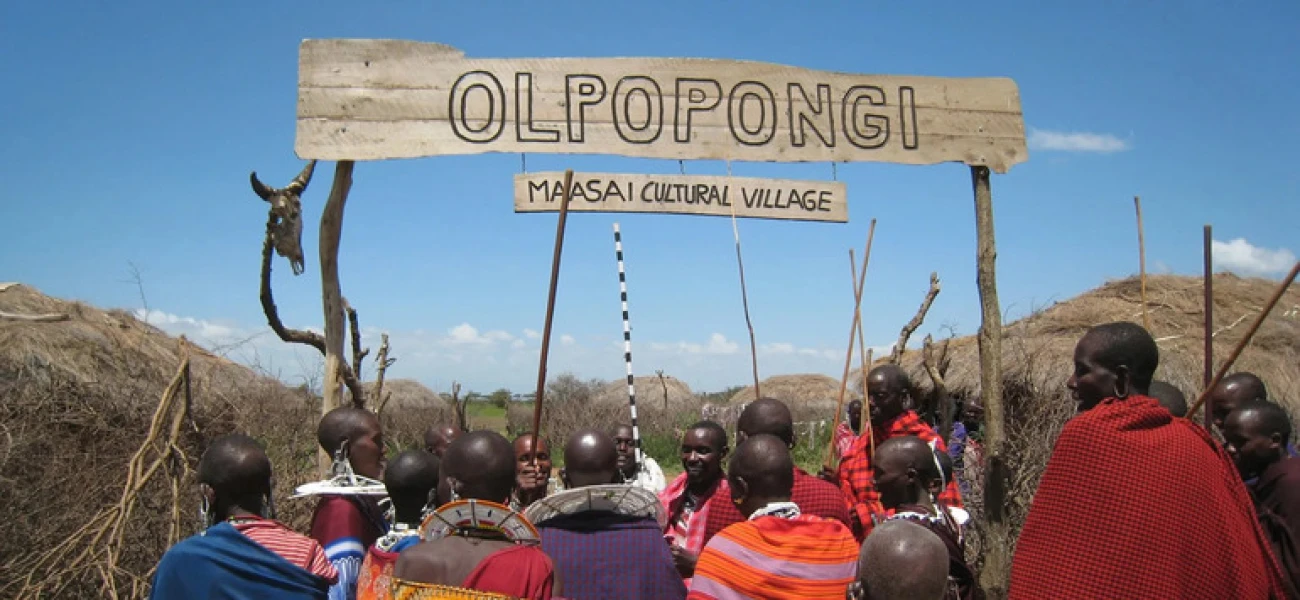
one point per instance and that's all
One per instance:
(378, 99)
(685, 194)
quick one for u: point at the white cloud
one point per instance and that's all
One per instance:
(1105, 143)
(567, 340)
(200, 330)
(531, 334)
(719, 344)
(468, 334)
(1243, 257)
(777, 348)
(517, 344)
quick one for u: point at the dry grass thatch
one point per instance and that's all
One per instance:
(1176, 312)
(650, 393)
(76, 401)
(408, 393)
(807, 395)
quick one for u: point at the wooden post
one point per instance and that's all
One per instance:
(1245, 340)
(331, 230)
(997, 558)
(1209, 325)
(550, 312)
(1142, 265)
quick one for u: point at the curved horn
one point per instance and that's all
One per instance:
(260, 188)
(299, 183)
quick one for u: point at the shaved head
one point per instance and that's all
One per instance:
(905, 470)
(888, 389)
(1233, 391)
(344, 423)
(901, 560)
(1255, 435)
(409, 478)
(761, 472)
(237, 470)
(766, 416)
(1169, 397)
(438, 437)
(483, 464)
(590, 458)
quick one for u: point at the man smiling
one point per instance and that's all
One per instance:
(685, 500)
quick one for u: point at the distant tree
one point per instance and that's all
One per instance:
(500, 398)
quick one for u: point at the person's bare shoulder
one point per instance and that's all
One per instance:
(421, 562)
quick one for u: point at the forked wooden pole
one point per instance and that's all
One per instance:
(331, 230)
(1142, 265)
(1245, 340)
(550, 313)
(1209, 324)
(829, 462)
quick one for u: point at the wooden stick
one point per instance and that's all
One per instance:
(1208, 243)
(862, 352)
(1142, 265)
(43, 318)
(906, 334)
(744, 296)
(1241, 345)
(550, 313)
(331, 230)
(848, 356)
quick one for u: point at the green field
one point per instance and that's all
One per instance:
(485, 415)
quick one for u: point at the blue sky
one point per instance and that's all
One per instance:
(131, 127)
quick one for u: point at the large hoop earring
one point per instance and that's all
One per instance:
(205, 514)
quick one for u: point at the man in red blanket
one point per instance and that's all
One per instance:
(1172, 519)
(889, 389)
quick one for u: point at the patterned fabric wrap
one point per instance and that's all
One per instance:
(290, 545)
(224, 563)
(346, 526)
(857, 479)
(1172, 517)
(814, 497)
(674, 499)
(603, 555)
(411, 590)
(374, 582)
(774, 558)
(844, 438)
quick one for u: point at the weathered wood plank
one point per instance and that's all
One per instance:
(686, 194)
(380, 99)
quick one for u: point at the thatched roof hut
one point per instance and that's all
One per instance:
(407, 393)
(805, 393)
(652, 392)
(1037, 351)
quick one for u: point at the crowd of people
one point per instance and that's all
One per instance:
(1178, 513)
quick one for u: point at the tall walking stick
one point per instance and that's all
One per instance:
(550, 313)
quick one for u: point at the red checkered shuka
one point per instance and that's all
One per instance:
(1136, 503)
(857, 478)
(813, 496)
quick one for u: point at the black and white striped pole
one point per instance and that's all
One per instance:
(627, 344)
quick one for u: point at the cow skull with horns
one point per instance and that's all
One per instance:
(286, 215)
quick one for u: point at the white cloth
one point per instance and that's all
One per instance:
(650, 476)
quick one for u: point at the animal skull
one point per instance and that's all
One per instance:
(286, 215)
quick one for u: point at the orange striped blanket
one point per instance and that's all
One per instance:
(777, 558)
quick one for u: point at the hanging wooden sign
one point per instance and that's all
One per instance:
(364, 99)
(685, 194)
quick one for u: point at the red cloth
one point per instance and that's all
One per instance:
(814, 497)
(518, 571)
(290, 545)
(857, 477)
(844, 438)
(1136, 503)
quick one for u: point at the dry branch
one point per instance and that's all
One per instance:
(292, 336)
(98, 545)
(382, 362)
(355, 328)
(331, 232)
(462, 420)
(43, 318)
(940, 392)
(901, 346)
